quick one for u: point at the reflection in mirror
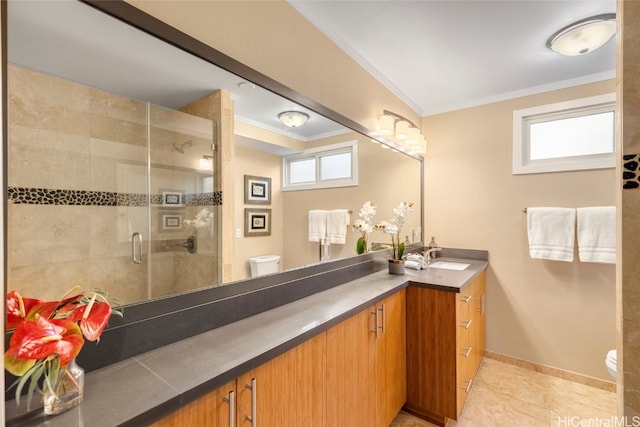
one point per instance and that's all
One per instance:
(127, 159)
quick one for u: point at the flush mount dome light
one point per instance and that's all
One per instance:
(583, 36)
(293, 119)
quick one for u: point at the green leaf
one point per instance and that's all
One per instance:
(17, 367)
(360, 246)
(33, 384)
(400, 250)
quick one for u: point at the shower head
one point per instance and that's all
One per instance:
(181, 147)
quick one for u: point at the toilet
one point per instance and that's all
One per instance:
(611, 361)
(266, 264)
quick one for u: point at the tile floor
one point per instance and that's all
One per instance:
(510, 396)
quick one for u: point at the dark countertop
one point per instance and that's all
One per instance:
(148, 387)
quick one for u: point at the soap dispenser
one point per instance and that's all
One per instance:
(432, 245)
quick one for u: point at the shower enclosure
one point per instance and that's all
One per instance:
(107, 192)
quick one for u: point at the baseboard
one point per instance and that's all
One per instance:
(556, 372)
(429, 416)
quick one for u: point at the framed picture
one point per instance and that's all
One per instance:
(172, 198)
(257, 190)
(171, 222)
(257, 222)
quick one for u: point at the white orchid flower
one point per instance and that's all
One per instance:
(367, 211)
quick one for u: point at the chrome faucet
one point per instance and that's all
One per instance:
(429, 254)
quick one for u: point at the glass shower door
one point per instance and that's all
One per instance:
(183, 205)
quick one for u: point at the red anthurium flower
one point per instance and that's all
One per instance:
(41, 338)
(18, 307)
(47, 308)
(93, 318)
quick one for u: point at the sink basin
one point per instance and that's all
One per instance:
(448, 265)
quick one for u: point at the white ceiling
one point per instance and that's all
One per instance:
(444, 55)
(435, 55)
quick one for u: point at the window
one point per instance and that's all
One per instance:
(323, 167)
(573, 135)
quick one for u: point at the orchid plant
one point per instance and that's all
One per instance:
(364, 225)
(201, 220)
(50, 334)
(393, 227)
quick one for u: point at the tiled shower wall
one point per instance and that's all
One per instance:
(78, 190)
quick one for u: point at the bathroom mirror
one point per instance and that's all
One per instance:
(116, 168)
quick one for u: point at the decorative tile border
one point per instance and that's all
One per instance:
(43, 196)
(630, 173)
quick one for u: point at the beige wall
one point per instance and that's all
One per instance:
(628, 268)
(552, 313)
(252, 162)
(290, 209)
(386, 178)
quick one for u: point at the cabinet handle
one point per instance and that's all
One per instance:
(467, 352)
(375, 327)
(465, 324)
(383, 318)
(466, 299)
(468, 387)
(482, 299)
(252, 417)
(231, 400)
(136, 248)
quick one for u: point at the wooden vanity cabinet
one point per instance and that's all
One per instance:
(445, 345)
(289, 390)
(354, 374)
(366, 365)
(212, 410)
(286, 391)
(390, 359)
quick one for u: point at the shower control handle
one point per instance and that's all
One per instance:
(189, 245)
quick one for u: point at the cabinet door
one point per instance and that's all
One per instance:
(211, 410)
(390, 359)
(350, 389)
(288, 390)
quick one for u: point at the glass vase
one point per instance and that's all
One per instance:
(68, 391)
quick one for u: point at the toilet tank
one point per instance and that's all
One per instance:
(265, 264)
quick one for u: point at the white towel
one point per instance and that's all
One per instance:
(551, 233)
(414, 265)
(597, 234)
(415, 261)
(317, 225)
(337, 221)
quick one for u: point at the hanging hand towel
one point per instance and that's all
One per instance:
(317, 225)
(337, 221)
(551, 233)
(597, 234)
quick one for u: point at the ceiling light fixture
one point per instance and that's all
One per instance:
(293, 119)
(583, 36)
(403, 130)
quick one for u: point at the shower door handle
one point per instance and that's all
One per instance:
(136, 248)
